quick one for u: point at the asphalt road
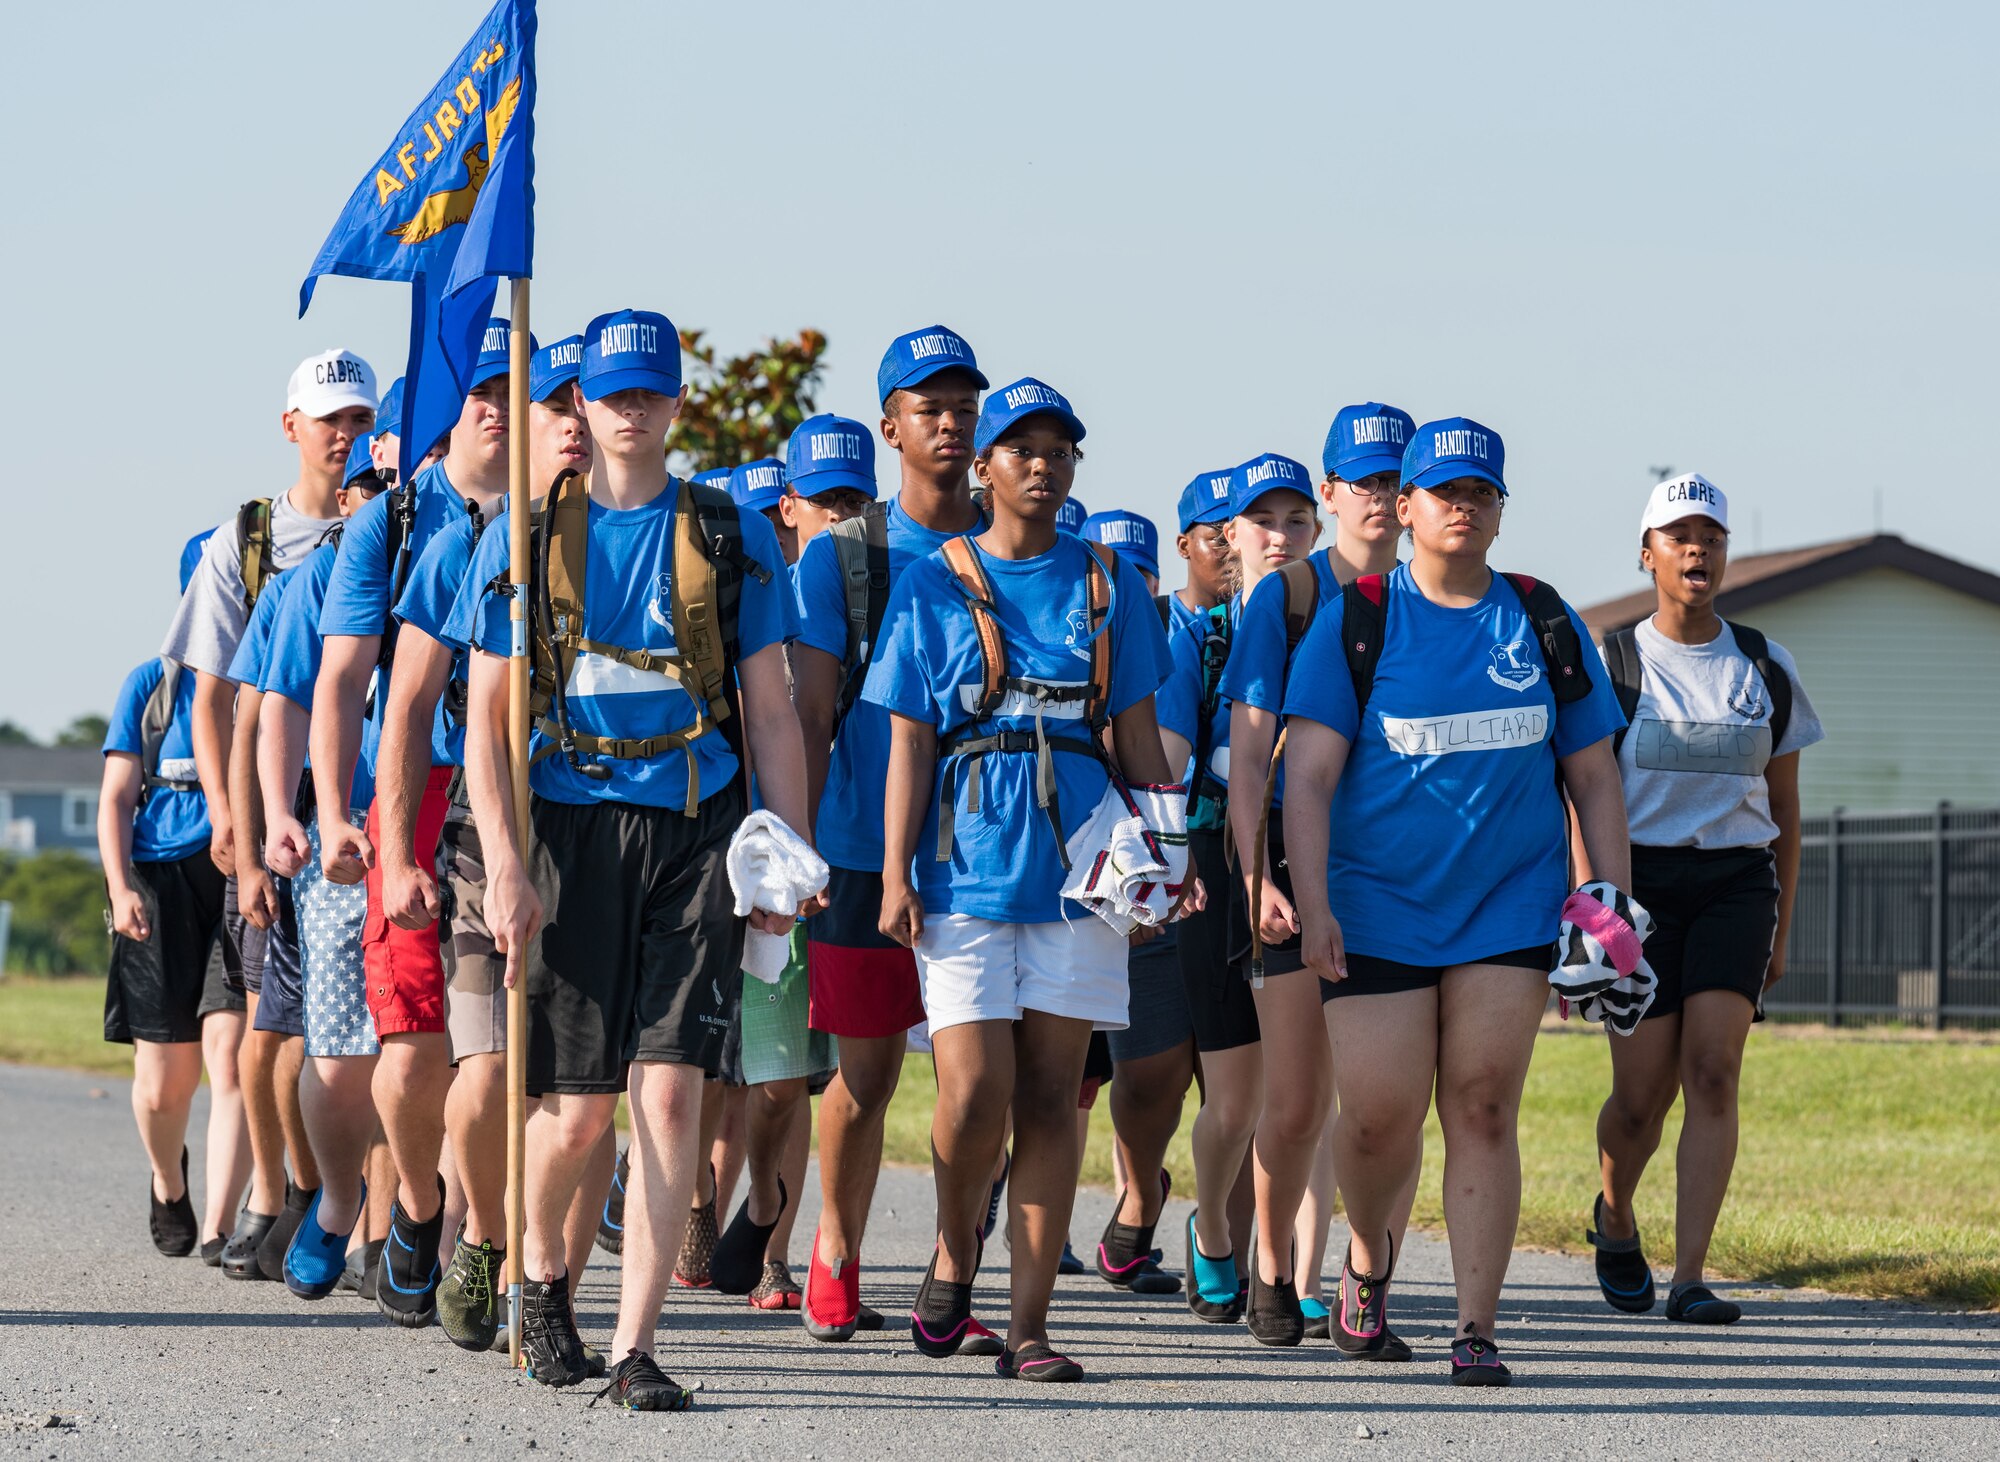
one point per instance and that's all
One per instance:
(108, 1350)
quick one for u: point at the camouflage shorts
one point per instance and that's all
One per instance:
(475, 991)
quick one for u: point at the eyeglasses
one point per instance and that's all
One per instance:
(1386, 485)
(1029, 454)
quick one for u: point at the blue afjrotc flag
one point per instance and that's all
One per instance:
(450, 207)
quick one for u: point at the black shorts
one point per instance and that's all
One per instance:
(1284, 957)
(243, 945)
(640, 946)
(281, 1004)
(1369, 975)
(1097, 1069)
(160, 990)
(1715, 913)
(1158, 1017)
(1220, 1006)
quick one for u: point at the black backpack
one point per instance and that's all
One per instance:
(1364, 621)
(1621, 658)
(1364, 610)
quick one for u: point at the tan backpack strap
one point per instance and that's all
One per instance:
(255, 521)
(1301, 599)
(567, 517)
(963, 560)
(1097, 592)
(697, 632)
(631, 748)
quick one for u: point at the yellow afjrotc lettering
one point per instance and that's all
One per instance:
(438, 131)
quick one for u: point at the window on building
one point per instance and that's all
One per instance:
(79, 813)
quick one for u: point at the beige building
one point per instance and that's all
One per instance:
(1899, 648)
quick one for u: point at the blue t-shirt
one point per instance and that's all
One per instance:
(247, 668)
(1448, 838)
(1258, 664)
(1179, 614)
(628, 602)
(173, 824)
(1179, 703)
(291, 666)
(849, 827)
(358, 597)
(1005, 863)
(435, 581)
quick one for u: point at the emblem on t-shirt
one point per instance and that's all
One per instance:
(661, 607)
(1748, 701)
(1515, 666)
(1079, 633)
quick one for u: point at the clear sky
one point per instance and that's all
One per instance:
(1754, 240)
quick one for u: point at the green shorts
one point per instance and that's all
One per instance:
(769, 1040)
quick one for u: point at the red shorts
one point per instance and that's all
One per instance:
(405, 967)
(863, 984)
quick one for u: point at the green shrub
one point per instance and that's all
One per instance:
(58, 921)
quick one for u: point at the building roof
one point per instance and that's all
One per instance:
(1759, 578)
(49, 768)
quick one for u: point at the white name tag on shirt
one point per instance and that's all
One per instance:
(1508, 729)
(1697, 746)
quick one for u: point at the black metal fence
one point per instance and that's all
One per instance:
(1897, 919)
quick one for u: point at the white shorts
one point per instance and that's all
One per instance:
(973, 969)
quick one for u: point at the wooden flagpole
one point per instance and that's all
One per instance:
(517, 764)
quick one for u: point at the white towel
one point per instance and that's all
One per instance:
(1129, 859)
(774, 869)
(1600, 961)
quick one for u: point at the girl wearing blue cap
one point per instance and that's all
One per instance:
(1362, 460)
(1005, 656)
(1711, 776)
(1423, 780)
(1267, 524)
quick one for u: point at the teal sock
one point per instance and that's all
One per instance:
(1214, 1279)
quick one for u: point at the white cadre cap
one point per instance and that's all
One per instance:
(1688, 496)
(331, 381)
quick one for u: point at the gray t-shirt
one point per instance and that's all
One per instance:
(213, 612)
(1693, 761)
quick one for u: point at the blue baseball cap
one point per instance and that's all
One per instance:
(921, 354)
(758, 485)
(1016, 403)
(1207, 499)
(1443, 451)
(191, 555)
(714, 477)
(1268, 473)
(630, 350)
(389, 415)
(1133, 536)
(554, 367)
(493, 357)
(1072, 515)
(1366, 439)
(359, 459)
(826, 452)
